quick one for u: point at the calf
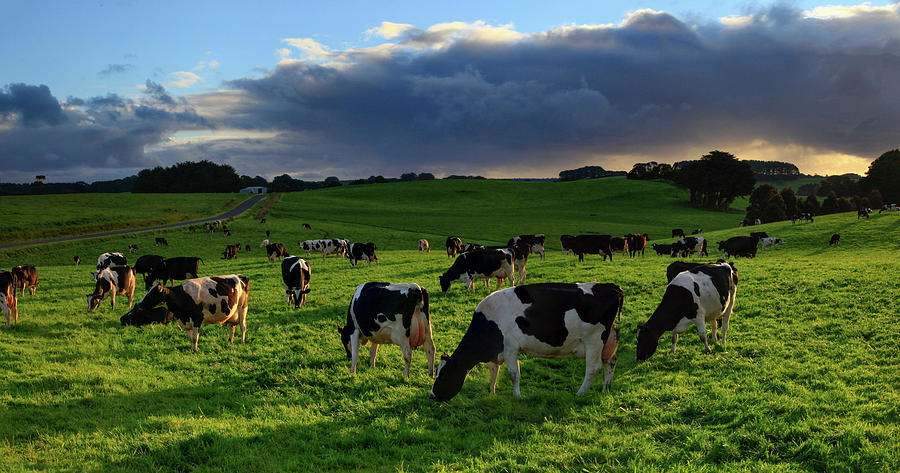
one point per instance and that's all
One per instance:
(619, 245)
(112, 281)
(739, 246)
(534, 243)
(110, 259)
(170, 269)
(132, 248)
(835, 239)
(480, 264)
(568, 243)
(200, 301)
(701, 295)
(662, 249)
(384, 313)
(759, 235)
(295, 274)
(550, 320)
(454, 246)
(146, 264)
(771, 241)
(77, 260)
(423, 246)
(275, 250)
(8, 297)
(593, 245)
(26, 276)
(677, 232)
(161, 241)
(636, 242)
(689, 246)
(362, 251)
(158, 315)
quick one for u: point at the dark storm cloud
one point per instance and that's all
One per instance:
(116, 69)
(33, 105)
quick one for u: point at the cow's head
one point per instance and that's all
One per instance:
(297, 296)
(94, 299)
(721, 245)
(448, 381)
(160, 315)
(156, 297)
(345, 333)
(445, 282)
(647, 342)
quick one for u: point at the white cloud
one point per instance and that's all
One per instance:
(828, 12)
(184, 79)
(309, 46)
(389, 30)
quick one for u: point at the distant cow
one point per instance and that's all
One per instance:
(568, 243)
(534, 243)
(677, 232)
(662, 249)
(480, 264)
(423, 246)
(385, 313)
(295, 274)
(146, 264)
(264, 243)
(158, 315)
(551, 320)
(268, 233)
(469, 246)
(200, 301)
(619, 245)
(111, 259)
(636, 242)
(77, 260)
(863, 213)
(26, 275)
(757, 222)
(8, 297)
(697, 231)
(170, 269)
(771, 241)
(806, 216)
(247, 248)
(520, 260)
(112, 281)
(739, 246)
(697, 296)
(689, 246)
(132, 248)
(592, 245)
(191, 229)
(759, 235)
(275, 250)
(889, 208)
(362, 251)
(230, 252)
(835, 239)
(306, 226)
(161, 241)
(454, 246)
(333, 246)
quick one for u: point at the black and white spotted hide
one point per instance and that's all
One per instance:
(295, 274)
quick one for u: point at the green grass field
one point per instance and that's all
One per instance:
(809, 381)
(33, 217)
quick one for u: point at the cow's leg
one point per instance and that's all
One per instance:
(243, 322)
(592, 363)
(726, 319)
(512, 365)
(354, 350)
(407, 356)
(373, 353)
(131, 297)
(495, 370)
(429, 345)
(34, 288)
(608, 371)
(714, 327)
(231, 337)
(113, 299)
(195, 338)
(674, 341)
(701, 330)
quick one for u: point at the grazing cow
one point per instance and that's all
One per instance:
(111, 259)
(191, 229)
(679, 267)
(471, 247)
(226, 232)
(306, 226)
(771, 241)
(806, 216)
(568, 243)
(8, 297)
(676, 232)
(481, 264)
(132, 248)
(384, 313)
(264, 243)
(334, 246)
(161, 241)
(619, 244)
(759, 235)
(268, 233)
(77, 260)
(170, 269)
(423, 246)
(362, 251)
(276, 250)
(454, 246)
(247, 248)
(112, 281)
(889, 208)
(739, 246)
(26, 276)
(520, 260)
(697, 231)
(535, 243)
(863, 213)
(636, 242)
(200, 301)
(689, 246)
(158, 315)
(146, 264)
(835, 239)
(592, 245)
(231, 251)
(550, 320)
(698, 296)
(295, 274)
(662, 249)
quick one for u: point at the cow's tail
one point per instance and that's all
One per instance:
(621, 304)
(425, 304)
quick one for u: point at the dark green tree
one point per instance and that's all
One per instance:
(716, 180)
(774, 211)
(875, 199)
(830, 205)
(791, 204)
(884, 175)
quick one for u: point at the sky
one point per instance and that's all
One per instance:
(99, 90)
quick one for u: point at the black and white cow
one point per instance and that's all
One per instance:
(677, 232)
(835, 239)
(454, 246)
(863, 212)
(697, 296)
(567, 243)
(110, 259)
(679, 267)
(739, 246)
(161, 241)
(480, 264)
(535, 243)
(770, 241)
(200, 301)
(593, 245)
(132, 248)
(697, 231)
(385, 313)
(111, 282)
(77, 260)
(423, 246)
(295, 274)
(362, 251)
(520, 260)
(170, 269)
(146, 264)
(550, 320)
(689, 246)
(333, 246)
(661, 249)
(469, 246)
(8, 297)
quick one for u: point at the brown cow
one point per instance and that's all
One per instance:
(26, 276)
(112, 281)
(637, 242)
(8, 296)
(423, 246)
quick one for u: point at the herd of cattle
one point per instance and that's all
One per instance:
(547, 319)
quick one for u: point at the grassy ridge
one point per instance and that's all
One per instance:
(808, 382)
(32, 217)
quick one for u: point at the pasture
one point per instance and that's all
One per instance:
(809, 380)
